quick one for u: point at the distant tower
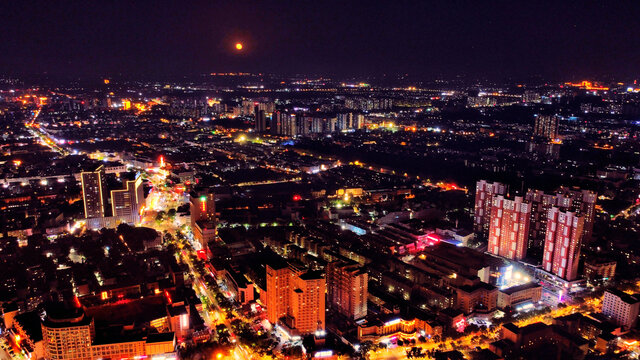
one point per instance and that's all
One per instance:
(261, 120)
(94, 193)
(277, 118)
(289, 125)
(546, 126)
(358, 121)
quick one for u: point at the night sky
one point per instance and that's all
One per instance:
(554, 39)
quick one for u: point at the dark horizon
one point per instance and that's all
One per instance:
(493, 40)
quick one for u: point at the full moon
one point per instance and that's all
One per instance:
(238, 46)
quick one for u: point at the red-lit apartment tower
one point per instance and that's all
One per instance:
(541, 203)
(562, 243)
(509, 227)
(485, 191)
(581, 202)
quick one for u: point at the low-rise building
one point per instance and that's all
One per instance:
(480, 296)
(529, 293)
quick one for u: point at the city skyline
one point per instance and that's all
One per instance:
(427, 40)
(319, 180)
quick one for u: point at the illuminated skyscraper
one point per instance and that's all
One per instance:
(581, 202)
(562, 245)
(129, 201)
(94, 193)
(347, 289)
(485, 191)
(295, 298)
(317, 125)
(509, 227)
(303, 124)
(541, 203)
(279, 279)
(546, 126)
(307, 303)
(203, 217)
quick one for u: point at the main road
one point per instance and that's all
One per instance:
(162, 199)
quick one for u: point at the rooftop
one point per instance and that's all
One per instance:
(629, 299)
(31, 323)
(514, 289)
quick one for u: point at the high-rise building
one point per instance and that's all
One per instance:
(203, 216)
(581, 202)
(67, 334)
(485, 191)
(247, 107)
(295, 298)
(509, 227)
(277, 119)
(562, 244)
(347, 288)
(279, 279)
(546, 126)
(344, 121)
(303, 124)
(358, 121)
(289, 125)
(261, 120)
(307, 303)
(268, 107)
(599, 269)
(128, 202)
(541, 203)
(330, 125)
(94, 193)
(621, 307)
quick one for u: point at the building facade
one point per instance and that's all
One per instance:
(509, 228)
(128, 202)
(546, 126)
(279, 279)
(94, 193)
(307, 310)
(347, 289)
(621, 307)
(562, 244)
(485, 191)
(202, 206)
